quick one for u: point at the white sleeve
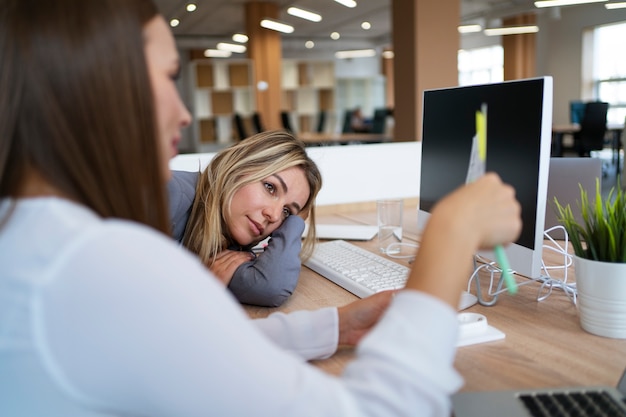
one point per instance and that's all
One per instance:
(131, 324)
(308, 334)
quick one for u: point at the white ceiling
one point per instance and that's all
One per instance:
(218, 20)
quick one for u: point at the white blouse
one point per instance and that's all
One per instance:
(102, 317)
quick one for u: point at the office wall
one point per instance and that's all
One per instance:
(351, 173)
(559, 50)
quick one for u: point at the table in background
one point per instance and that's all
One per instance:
(544, 345)
(321, 139)
(615, 129)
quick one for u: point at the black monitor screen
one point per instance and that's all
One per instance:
(514, 136)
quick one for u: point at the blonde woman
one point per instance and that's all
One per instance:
(264, 186)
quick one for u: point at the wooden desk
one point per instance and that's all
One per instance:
(558, 131)
(321, 139)
(544, 345)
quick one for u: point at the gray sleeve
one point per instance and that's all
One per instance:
(181, 190)
(272, 277)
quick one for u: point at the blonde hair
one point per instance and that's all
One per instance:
(249, 161)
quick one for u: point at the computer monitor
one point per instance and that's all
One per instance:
(519, 129)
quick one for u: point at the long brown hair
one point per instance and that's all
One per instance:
(77, 107)
(246, 162)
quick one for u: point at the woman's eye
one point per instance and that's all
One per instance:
(270, 187)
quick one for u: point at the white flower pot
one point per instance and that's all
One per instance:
(601, 297)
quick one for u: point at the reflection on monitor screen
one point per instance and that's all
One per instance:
(519, 130)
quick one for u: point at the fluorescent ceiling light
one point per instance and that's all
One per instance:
(469, 28)
(512, 30)
(277, 26)
(240, 37)
(359, 53)
(223, 46)
(304, 14)
(216, 53)
(556, 3)
(347, 3)
(620, 5)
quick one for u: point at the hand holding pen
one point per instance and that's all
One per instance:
(477, 168)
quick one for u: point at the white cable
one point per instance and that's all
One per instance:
(398, 246)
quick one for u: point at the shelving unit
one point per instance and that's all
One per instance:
(309, 88)
(221, 88)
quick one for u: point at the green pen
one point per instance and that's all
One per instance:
(476, 169)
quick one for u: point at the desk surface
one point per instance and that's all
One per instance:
(544, 345)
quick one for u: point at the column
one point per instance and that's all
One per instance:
(264, 50)
(519, 50)
(426, 43)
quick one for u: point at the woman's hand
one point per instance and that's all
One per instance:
(358, 317)
(227, 262)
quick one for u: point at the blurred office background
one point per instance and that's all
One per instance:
(309, 78)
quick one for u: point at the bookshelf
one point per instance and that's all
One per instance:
(221, 88)
(308, 88)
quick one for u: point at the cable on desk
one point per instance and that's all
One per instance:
(398, 246)
(548, 283)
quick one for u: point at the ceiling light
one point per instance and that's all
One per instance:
(304, 14)
(619, 5)
(240, 37)
(309, 44)
(216, 53)
(277, 26)
(511, 30)
(347, 3)
(388, 54)
(335, 35)
(366, 25)
(359, 53)
(174, 23)
(223, 46)
(469, 28)
(556, 3)
(191, 7)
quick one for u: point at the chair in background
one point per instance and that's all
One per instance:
(379, 122)
(239, 126)
(256, 121)
(592, 131)
(321, 121)
(286, 121)
(347, 122)
(576, 111)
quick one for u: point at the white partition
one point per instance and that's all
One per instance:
(351, 173)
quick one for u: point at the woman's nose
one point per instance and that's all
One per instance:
(273, 213)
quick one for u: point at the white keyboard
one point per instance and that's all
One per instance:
(359, 271)
(362, 272)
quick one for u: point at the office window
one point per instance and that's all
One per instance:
(609, 69)
(481, 65)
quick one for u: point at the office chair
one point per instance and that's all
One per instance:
(379, 122)
(347, 122)
(590, 137)
(284, 118)
(321, 121)
(241, 130)
(258, 125)
(576, 111)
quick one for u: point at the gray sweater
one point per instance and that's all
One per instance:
(267, 280)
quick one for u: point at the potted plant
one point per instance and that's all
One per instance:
(599, 244)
